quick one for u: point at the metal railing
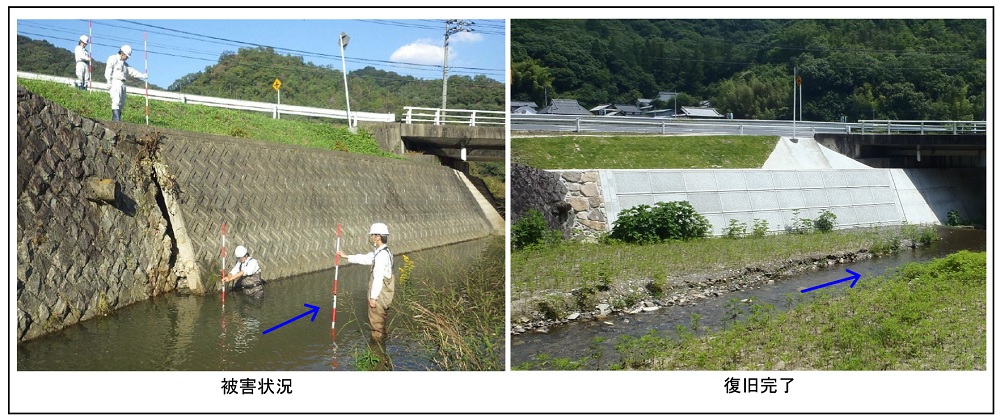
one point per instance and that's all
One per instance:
(575, 123)
(274, 109)
(921, 127)
(438, 116)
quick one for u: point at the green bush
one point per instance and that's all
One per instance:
(759, 228)
(801, 225)
(735, 230)
(825, 222)
(531, 230)
(661, 222)
(953, 218)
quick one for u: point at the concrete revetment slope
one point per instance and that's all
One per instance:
(284, 202)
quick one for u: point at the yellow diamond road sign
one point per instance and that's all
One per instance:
(277, 84)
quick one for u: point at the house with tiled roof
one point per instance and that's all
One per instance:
(698, 112)
(564, 107)
(523, 107)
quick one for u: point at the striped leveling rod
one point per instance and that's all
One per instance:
(336, 275)
(90, 64)
(223, 265)
(146, 52)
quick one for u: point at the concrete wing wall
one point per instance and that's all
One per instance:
(284, 202)
(858, 197)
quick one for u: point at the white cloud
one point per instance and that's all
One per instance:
(421, 51)
(469, 37)
(429, 51)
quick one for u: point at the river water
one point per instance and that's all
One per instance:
(574, 340)
(198, 333)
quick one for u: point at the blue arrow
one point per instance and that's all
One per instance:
(854, 276)
(312, 309)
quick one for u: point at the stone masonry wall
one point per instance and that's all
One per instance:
(536, 189)
(583, 193)
(284, 202)
(77, 257)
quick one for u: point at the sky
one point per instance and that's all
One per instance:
(172, 48)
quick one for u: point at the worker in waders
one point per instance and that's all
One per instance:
(381, 286)
(115, 73)
(246, 274)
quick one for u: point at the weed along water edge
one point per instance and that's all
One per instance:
(175, 332)
(627, 340)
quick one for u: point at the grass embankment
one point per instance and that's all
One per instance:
(204, 119)
(923, 316)
(321, 133)
(463, 322)
(546, 275)
(642, 152)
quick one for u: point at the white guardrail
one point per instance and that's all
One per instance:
(737, 126)
(922, 127)
(274, 109)
(438, 116)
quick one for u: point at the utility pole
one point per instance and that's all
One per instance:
(795, 79)
(451, 27)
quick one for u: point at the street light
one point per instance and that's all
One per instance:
(449, 30)
(344, 39)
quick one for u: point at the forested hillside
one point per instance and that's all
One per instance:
(248, 74)
(862, 69)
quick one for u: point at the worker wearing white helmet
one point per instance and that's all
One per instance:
(82, 63)
(246, 274)
(116, 72)
(381, 286)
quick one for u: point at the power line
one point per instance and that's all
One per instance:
(309, 68)
(236, 43)
(319, 55)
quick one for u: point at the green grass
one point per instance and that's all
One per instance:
(642, 152)
(301, 131)
(461, 324)
(923, 316)
(570, 264)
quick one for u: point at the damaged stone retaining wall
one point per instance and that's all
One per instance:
(79, 256)
(537, 189)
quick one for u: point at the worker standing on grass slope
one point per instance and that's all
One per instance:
(381, 286)
(82, 63)
(115, 73)
(245, 274)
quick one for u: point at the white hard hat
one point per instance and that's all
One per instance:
(241, 251)
(127, 50)
(84, 39)
(379, 229)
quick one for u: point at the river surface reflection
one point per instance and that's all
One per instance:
(198, 333)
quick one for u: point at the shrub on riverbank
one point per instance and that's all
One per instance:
(675, 220)
(462, 324)
(923, 316)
